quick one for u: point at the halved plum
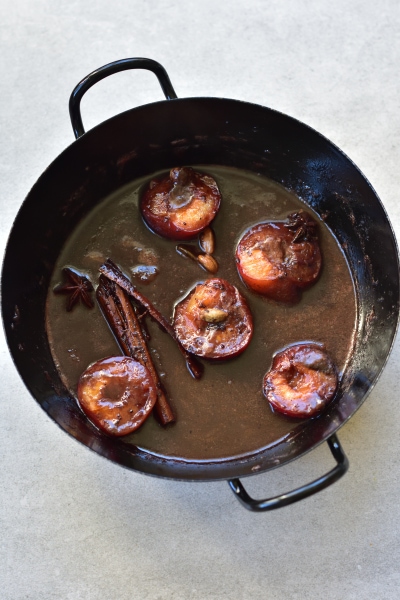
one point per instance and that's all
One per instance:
(181, 204)
(302, 380)
(214, 320)
(280, 258)
(117, 394)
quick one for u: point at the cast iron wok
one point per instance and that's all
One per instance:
(200, 131)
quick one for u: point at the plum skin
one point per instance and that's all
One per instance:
(214, 321)
(117, 394)
(302, 380)
(279, 259)
(180, 205)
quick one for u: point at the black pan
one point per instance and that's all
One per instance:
(206, 131)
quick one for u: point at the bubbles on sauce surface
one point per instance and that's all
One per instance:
(144, 274)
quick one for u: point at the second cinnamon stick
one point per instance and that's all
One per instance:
(124, 323)
(112, 272)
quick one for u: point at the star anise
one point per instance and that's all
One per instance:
(302, 225)
(78, 287)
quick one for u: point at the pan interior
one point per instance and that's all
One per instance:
(224, 415)
(103, 167)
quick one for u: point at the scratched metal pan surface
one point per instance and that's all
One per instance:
(228, 134)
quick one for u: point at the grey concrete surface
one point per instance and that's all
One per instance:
(74, 526)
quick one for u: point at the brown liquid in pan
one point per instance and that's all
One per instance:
(224, 414)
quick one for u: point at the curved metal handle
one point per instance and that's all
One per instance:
(300, 493)
(110, 69)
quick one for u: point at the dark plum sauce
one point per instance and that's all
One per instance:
(224, 414)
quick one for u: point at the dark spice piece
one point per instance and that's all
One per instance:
(303, 226)
(78, 287)
(206, 261)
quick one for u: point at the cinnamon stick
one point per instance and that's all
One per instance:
(112, 272)
(124, 323)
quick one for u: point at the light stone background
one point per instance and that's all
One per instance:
(75, 526)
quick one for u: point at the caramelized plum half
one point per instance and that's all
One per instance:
(301, 381)
(117, 394)
(181, 204)
(280, 258)
(213, 320)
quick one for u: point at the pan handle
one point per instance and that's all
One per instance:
(301, 492)
(109, 69)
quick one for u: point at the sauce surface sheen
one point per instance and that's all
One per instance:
(225, 414)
